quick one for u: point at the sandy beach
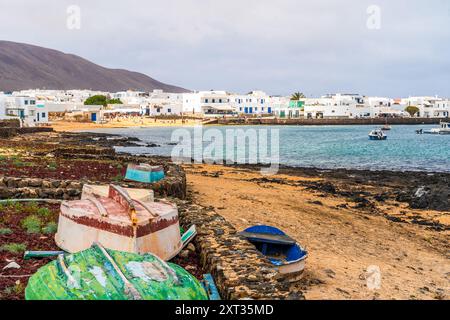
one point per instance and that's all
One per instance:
(343, 238)
(122, 123)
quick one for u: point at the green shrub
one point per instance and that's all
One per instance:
(5, 231)
(18, 206)
(44, 212)
(13, 247)
(50, 228)
(30, 208)
(17, 288)
(118, 178)
(32, 224)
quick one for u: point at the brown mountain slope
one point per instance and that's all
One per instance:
(24, 66)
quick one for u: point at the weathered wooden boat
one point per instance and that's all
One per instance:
(120, 222)
(377, 134)
(145, 195)
(101, 274)
(281, 250)
(144, 173)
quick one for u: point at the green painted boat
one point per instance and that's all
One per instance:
(101, 274)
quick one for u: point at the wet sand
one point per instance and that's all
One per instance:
(343, 234)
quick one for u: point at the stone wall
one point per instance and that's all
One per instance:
(314, 122)
(7, 132)
(12, 123)
(239, 270)
(24, 188)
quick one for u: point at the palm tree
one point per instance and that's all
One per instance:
(297, 96)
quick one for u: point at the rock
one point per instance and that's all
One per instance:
(12, 183)
(330, 273)
(73, 192)
(5, 193)
(11, 265)
(22, 184)
(55, 183)
(75, 185)
(184, 253)
(47, 184)
(431, 197)
(35, 183)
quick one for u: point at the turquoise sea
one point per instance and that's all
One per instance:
(327, 146)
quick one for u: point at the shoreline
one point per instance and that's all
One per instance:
(346, 223)
(67, 126)
(151, 123)
(348, 220)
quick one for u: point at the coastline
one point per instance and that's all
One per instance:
(151, 122)
(348, 220)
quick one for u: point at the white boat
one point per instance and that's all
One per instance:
(444, 128)
(377, 134)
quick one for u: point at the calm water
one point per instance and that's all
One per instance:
(330, 146)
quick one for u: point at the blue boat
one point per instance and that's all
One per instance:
(281, 250)
(144, 173)
(377, 134)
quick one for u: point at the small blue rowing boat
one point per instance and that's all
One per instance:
(144, 173)
(281, 250)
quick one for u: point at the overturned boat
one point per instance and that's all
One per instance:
(144, 173)
(102, 274)
(281, 250)
(119, 221)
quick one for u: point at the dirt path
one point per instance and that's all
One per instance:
(342, 241)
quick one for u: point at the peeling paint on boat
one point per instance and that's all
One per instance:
(99, 275)
(147, 271)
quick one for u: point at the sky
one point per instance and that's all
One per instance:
(390, 48)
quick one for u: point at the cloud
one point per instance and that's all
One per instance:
(278, 46)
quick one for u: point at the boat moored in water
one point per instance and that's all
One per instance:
(377, 134)
(444, 128)
(282, 251)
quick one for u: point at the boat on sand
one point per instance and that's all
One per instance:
(282, 251)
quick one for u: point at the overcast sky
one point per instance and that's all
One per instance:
(280, 46)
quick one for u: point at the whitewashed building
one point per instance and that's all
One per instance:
(429, 107)
(207, 103)
(253, 103)
(159, 103)
(334, 106)
(2, 106)
(30, 111)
